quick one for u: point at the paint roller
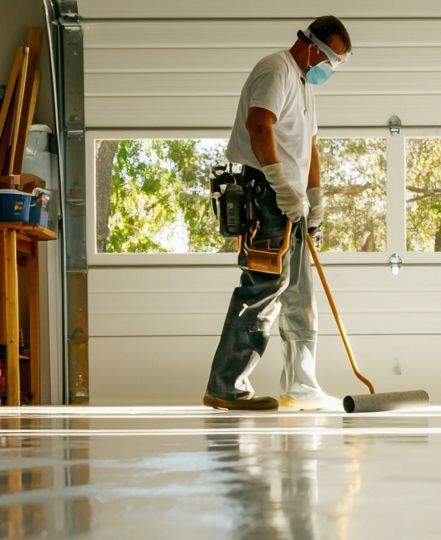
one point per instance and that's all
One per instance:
(373, 402)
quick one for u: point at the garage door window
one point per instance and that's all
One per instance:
(423, 194)
(152, 195)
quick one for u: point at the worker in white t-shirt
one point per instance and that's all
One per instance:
(274, 138)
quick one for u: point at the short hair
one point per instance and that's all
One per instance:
(325, 27)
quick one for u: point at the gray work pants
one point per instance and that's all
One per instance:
(255, 305)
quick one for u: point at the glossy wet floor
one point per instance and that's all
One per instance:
(192, 473)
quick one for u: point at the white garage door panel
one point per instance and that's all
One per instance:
(186, 73)
(187, 112)
(255, 8)
(168, 279)
(154, 330)
(123, 302)
(193, 301)
(160, 112)
(217, 84)
(128, 34)
(411, 279)
(172, 59)
(210, 324)
(164, 84)
(150, 371)
(243, 59)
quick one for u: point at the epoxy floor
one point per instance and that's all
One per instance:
(192, 473)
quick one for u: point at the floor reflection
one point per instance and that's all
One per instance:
(219, 476)
(25, 510)
(274, 487)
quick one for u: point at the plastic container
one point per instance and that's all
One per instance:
(38, 139)
(39, 208)
(37, 157)
(14, 205)
(40, 161)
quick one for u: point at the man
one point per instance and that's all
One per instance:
(274, 137)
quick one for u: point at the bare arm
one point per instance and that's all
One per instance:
(314, 168)
(263, 140)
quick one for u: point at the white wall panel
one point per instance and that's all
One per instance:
(191, 324)
(150, 371)
(216, 84)
(182, 74)
(231, 60)
(115, 9)
(370, 279)
(252, 33)
(123, 303)
(179, 302)
(203, 111)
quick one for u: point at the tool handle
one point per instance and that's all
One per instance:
(341, 329)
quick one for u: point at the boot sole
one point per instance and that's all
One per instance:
(306, 405)
(240, 405)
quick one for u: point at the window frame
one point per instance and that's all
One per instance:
(395, 202)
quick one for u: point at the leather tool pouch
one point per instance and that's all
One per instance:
(267, 233)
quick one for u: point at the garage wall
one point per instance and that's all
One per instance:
(181, 65)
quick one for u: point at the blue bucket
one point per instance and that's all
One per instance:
(14, 205)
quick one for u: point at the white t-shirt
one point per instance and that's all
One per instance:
(274, 84)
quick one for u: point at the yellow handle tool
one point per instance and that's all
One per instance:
(342, 331)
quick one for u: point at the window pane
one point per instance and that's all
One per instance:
(353, 177)
(153, 196)
(423, 194)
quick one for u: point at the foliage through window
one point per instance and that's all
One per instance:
(423, 194)
(153, 195)
(353, 176)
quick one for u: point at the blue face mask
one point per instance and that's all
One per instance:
(318, 74)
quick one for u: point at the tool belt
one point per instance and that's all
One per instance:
(246, 207)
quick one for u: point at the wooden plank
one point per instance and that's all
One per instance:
(34, 96)
(32, 231)
(34, 324)
(33, 42)
(18, 112)
(5, 149)
(13, 77)
(3, 315)
(12, 326)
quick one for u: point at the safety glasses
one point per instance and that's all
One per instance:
(334, 59)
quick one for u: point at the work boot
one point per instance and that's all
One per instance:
(314, 400)
(246, 403)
